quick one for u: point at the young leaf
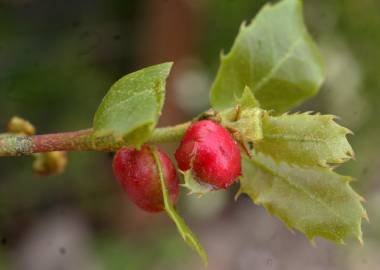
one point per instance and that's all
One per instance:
(304, 139)
(194, 186)
(132, 106)
(315, 201)
(183, 229)
(247, 99)
(275, 57)
(247, 122)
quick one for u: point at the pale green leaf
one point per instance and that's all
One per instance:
(275, 56)
(194, 186)
(131, 108)
(247, 99)
(244, 120)
(304, 139)
(244, 123)
(183, 229)
(315, 201)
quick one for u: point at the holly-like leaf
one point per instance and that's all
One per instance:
(183, 229)
(304, 139)
(315, 201)
(130, 110)
(275, 57)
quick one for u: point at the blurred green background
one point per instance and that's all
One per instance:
(58, 59)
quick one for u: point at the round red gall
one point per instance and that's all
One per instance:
(138, 174)
(209, 150)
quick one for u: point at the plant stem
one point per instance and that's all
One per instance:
(169, 134)
(82, 140)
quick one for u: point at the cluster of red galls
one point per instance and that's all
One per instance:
(207, 149)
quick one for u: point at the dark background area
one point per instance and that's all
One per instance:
(59, 58)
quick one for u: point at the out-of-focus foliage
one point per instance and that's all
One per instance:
(59, 58)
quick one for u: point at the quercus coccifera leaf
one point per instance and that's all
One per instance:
(183, 229)
(275, 56)
(130, 110)
(313, 200)
(304, 139)
(288, 171)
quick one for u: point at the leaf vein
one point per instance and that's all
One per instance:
(134, 95)
(264, 80)
(295, 138)
(296, 187)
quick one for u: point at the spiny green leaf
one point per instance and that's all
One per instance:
(194, 186)
(244, 120)
(132, 106)
(304, 139)
(245, 123)
(183, 229)
(315, 201)
(275, 57)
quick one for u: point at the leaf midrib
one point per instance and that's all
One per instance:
(289, 137)
(264, 80)
(127, 99)
(311, 196)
